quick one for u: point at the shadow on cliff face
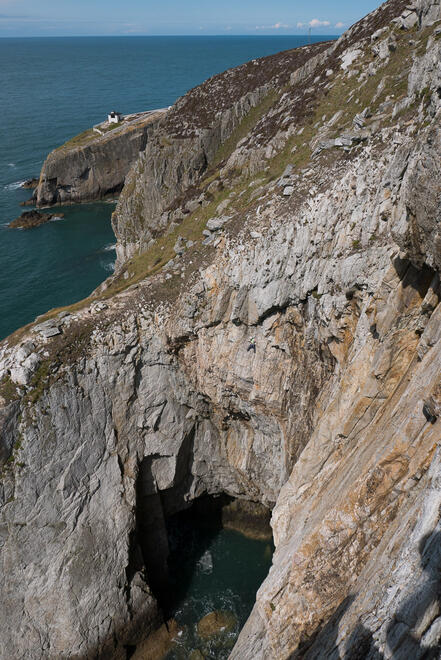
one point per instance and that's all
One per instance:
(149, 543)
(414, 632)
(321, 643)
(417, 279)
(361, 645)
(190, 534)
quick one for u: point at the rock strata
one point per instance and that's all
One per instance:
(149, 398)
(93, 165)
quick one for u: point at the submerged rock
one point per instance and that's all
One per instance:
(216, 623)
(251, 519)
(159, 643)
(30, 219)
(196, 654)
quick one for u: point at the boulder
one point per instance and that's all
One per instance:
(30, 184)
(214, 224)
(158, 645)
(216, 623)
(179, 246)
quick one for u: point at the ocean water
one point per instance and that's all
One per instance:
(54, 88)
(212, 569)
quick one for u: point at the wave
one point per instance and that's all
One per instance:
(110, 247)
(14, 186)
(12, 165)
(205, 563)
(109, 267)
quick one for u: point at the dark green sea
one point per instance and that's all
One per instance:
(212, 570)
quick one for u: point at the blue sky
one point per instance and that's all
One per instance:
(173, 17)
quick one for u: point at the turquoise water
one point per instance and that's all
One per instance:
(212, 569)
(54, 88)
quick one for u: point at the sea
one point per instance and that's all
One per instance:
(52, 89)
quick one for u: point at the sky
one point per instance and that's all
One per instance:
(178, 17)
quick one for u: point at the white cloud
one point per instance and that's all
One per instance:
(317, 23)
(339, 24)
(276, 26)
(301, 25)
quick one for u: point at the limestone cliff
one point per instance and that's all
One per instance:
(94, 164)
(315, 227)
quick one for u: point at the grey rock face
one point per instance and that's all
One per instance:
(93, 168)
(144, 403)
(167, 168)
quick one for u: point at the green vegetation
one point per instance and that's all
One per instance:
(152, 260)
(87, 136)
(165, 141)
(242, 130)
(12, 460)
(38, 383)
(8, 389)
(315, 294)
(346, 92)
(297, 152)
(425, 96)
(79, 140)
(106, 128)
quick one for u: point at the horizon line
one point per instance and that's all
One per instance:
(137, 36)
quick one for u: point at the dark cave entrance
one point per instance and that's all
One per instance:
(204, 562)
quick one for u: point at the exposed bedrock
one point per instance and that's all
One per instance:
(158, 190)
(93, 165)
(136, 405)
(113, 432)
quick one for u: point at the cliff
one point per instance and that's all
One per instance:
(315, 227)
(161, 186)
(94, 164)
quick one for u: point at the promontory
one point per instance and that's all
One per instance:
(93, 165)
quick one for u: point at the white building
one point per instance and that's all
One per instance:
(114, 117)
